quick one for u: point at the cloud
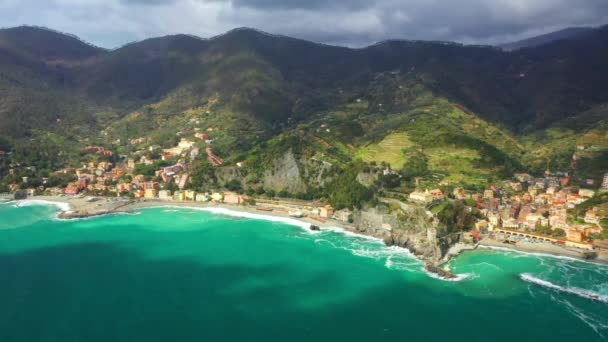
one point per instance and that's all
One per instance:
(111, 23)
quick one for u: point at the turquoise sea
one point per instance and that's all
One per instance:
(188, 275)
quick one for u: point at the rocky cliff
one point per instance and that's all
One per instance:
(407, 226)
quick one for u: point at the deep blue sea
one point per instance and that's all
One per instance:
(169, 274)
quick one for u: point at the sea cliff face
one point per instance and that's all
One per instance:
(410, 227)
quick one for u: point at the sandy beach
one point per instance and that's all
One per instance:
(541, 248)
(83, 207)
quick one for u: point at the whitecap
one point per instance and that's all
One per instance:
(63, 206)
(572, 290)
(544, 255)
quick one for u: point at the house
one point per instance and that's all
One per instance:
(202, 136)
(459, 193)
(124, 187)
(423, 197)
(164, 195)
(344, 215)
(212, 158)
(150, 185)
(194, 153)
(532, 220)
(232, 198)
(185, 144)
(575, 235)
(494, 220)
(172, 170)
(488, 194)
(510, 224)
(516, 186)
(217, 197)
(326, 211)
(437, 194)
(481, 225)
(523, 177)
(72, 189)
(183, 181)
(150, 193)
(179, 196)
(189, 195)
(586, 193)
(202, 197)
(592, 217)
(131, 163)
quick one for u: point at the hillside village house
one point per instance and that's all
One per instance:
(591, 216)
(422, 197)
(586, 193)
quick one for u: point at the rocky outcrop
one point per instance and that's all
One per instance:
(410, 227)
(285, 175)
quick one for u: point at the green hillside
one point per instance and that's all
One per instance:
(464, 114)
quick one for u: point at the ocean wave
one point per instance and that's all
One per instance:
(572, 290)
(64, 206)
(537, 254)
(345, 232)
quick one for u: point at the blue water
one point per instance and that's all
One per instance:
(189, 275)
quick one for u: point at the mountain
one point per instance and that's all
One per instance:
(471, 113)
(567, 33)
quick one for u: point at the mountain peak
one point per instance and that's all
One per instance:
(46, 43)
(567, 33)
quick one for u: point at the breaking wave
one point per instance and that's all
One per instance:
(26, 203)
(572, 290)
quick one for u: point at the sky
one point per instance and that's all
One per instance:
(355, 23)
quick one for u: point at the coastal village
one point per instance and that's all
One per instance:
(534, 208)
(526, 207)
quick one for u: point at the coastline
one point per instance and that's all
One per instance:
(80, 208)
(541, 249)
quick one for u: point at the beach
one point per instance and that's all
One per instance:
(542, 248)
(86, 207)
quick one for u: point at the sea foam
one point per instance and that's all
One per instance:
(537, 254)
(63, 206)
(572, 290)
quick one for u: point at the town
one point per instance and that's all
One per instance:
(536, 208)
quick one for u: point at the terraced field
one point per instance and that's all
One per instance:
(389, 150)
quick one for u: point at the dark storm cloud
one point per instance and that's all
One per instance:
(346, 22)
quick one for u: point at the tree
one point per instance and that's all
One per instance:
(389, 181)
(417, 163)
(233, 185)
(558, 232)
(345, 191)
(202, 175)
